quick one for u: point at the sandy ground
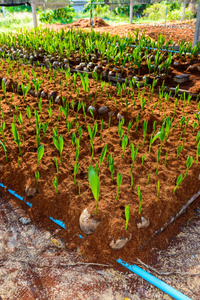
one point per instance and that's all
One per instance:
(31, 267)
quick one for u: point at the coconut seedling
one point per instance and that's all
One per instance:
(28, 112)
(84, 82)
(56, 164)
(198, 152)
(143, 158)
(76, 167)
(109, 121)
(111, 165)
(55, 184)
(129, 127)
(45, 127)
(140, 199)
(78, 108)
(179, 148)
(36, 84)
(92, 134)
(158, 191)
(4, 149)
(119, 181)
(124, 144)
(189, 162)
(2, 128)
(120, 129)
(178, 181)
(21, 123)
(77, 148)
(40, 153)
(144, 131)
(103, 154)
(198, 137)
(69, 126)
(25, 90)
(37, 175)
(3, 85)
(127, 215)
(137, 121)
(58, 142)
(16, 137)
(94, 182)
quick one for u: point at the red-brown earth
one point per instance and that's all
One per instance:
(67, 205)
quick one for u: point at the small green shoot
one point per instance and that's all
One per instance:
(40, 153)
(127, 215)
(119, 181)
(94, 181)
(37, 175)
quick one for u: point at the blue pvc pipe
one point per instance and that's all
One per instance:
(155, 281)
(81, 237)
(58, 222)
(15, 194)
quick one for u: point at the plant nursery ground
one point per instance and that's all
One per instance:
(93, 100)
(176, 31)
(152, 167)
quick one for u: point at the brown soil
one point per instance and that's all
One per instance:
(67, 205)
(173, 31)
(81, 23)
(176, 31)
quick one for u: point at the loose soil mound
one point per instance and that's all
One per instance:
(83, 23)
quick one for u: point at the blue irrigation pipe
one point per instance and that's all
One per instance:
(58, 222)
(155, 281)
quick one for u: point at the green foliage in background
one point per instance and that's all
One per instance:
(61, 15)
(157, 11)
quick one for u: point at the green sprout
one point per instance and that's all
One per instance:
(55, 184)
(119, 181)
(94, 185)
(158, 192)
(56, 164)
(111, 165)
(4, 149)
(140, 199)
(124, 144)
(189, 162)
(40, 153)
(28, 112)
(127, 215)
(58, 142)
(144, 131)
(76, 167)
(37, 175)
(103, 154)
(178, 181)
(16, 137)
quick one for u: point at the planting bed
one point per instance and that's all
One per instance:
(175, 30)
(126, 118)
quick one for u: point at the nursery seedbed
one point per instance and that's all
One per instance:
(176, 31)
(118, 59)
(157, 206)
